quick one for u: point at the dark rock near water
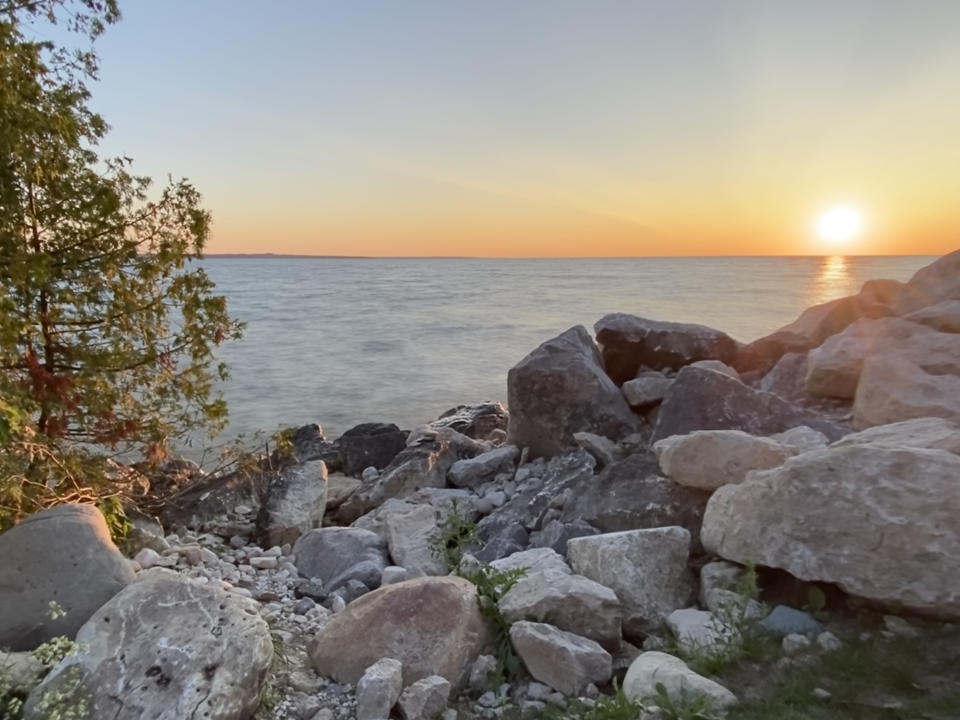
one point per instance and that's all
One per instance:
(475, 421)
(62, 555)
(308, 443)
(561, 388)
(630, 343)
(370, 444)
(707, 400)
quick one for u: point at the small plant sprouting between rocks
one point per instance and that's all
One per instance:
(685, 705)
(457, 535)
(615, 706)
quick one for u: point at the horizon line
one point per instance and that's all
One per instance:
(295, 256)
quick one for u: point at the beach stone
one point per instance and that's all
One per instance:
(564, 661)
(480, 671)
(708, 459)
(893, 389)
(795, 644)
(788, 379)
(603, 449)
(165, 648)
(647, 569)
(680, 682)
(425, 699)
(407, 528)
(561, 388)
(630, 494)
(784, 620)
(534, 560)
(296, 502)
(944, 316)
(339, 488)
(379, 689)
(879, 522)
(930, 432)
(648, 388)
(834, 368)
(63, 555)
(555, 534)
(569, 602)
(475, 421)
(707, 400)
(800, 439)
(717, 366)
(393, 574)
(629, 342)
(432, 625)
(698, 631)
(373, 444)
(473, 472)
(337, 555)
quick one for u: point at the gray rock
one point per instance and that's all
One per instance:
(370, 445)
(879, 522)
(801, 439)
(603, 449)
(475, 421)
(393, 574)
(339, 488)
(61, 555)
(473, 472)
(680, 682)
(407, 528)
(21, 671)
(699, 632)
(631, 342)
(555, 534)
(708, 459)
(784, 620)
(931, 432)
(794, 644)
(706, 400)
(534, 560)
(424, 699)
(647, 569)
(165, 648)
(648, 388)
(569, 602)
(717, 366)
(561, 388)
(337, 555)
(296, 502)
(562, 660)
(379, 689)
(481, 670)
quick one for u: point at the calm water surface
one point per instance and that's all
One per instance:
(338, 342)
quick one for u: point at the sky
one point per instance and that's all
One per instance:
(546, 128)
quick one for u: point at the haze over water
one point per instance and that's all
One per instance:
(344, 341)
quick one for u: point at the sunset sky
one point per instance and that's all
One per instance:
(551, 128)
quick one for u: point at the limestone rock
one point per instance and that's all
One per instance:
(296, 502)
(648, 388)
(407, 528)
(707, 400)
(561, 388)
(932, 433)
(653, 668)
(932, 284)
(603, 449)
(647, 569)
(63, 555)
(562, 660)
(339, 488)
(708, 459)
(337, 555)
(698, 631)
(893, 389)
(425, 699)
(379, 689)
(944, 316)
(165, 648)
(432, 625)
(534, 560)
(631, 342)
(800, 439)
(473, 472)
(879, 522)
(569, 602)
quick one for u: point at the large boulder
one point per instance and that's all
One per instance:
(560, 659)
(296, 502)
(706, 400)
(880, 522)
(834, 368)
(338, 555)
(629, 343)
(931, 433)
(647, 569)
(561, 388)
(164, 648)
(893, 388)
(569, 602)
(708, 459)
(932, 284)
(651, 669)
(432, 625)
(944, 316)
(475, 421)
(373, 444)
(62, 555)
(631, 495)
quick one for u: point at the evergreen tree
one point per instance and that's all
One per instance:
(108, 326)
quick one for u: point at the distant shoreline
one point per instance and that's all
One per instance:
(283, 256)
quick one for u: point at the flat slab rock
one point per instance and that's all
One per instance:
(164, 648)
(560, 659)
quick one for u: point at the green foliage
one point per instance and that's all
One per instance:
(606, 707)
(456, 536)
(107, 325)
(816, 601)
(685, 705)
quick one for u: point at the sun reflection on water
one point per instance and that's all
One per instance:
(833, 280)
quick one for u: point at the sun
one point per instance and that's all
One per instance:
(839, 224)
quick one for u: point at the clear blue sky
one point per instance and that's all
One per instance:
(495, 127)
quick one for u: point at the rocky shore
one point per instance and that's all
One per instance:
(651, 505)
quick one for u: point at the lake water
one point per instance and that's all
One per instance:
(338, 342)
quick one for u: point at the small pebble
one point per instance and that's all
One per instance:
(821, 694)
